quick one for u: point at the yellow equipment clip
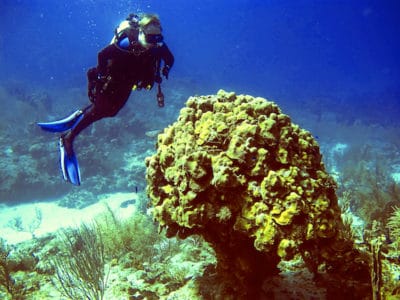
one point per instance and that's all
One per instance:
(134, 88)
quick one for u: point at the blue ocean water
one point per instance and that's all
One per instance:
(287, 50)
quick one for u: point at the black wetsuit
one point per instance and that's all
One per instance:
(111, 82)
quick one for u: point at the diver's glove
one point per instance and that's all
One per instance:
(165, 71)
(92, 74)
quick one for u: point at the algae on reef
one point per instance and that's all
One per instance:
(235, 170)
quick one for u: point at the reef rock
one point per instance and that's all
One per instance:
(235, 170)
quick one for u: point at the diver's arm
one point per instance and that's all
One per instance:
(167, 56)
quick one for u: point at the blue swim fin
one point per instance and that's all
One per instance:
(69, 165)
(64, 124)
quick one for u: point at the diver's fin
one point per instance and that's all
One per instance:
(69, 165)
(64, 124)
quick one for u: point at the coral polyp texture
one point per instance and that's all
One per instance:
(235, 170)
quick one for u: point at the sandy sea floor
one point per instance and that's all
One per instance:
(19, 223)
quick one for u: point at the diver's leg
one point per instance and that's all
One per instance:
(90, 115)
(68, 159)
(105, 105)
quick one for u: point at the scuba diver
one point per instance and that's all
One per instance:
(131, 61)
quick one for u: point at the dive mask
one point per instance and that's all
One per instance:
(154, 38)
(152, 33)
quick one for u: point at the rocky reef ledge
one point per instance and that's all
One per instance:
(235, 170)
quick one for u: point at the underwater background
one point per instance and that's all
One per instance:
(332, 66)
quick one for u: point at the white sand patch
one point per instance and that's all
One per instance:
(332, 155)
(396, 173)
(19, 223)
(396, 177)
(339, 148)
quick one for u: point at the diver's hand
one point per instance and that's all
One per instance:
(165, 71)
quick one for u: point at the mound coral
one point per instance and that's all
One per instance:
(236, 170)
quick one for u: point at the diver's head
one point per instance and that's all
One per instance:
(150, 31)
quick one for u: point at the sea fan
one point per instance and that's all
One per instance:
(393, 225)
